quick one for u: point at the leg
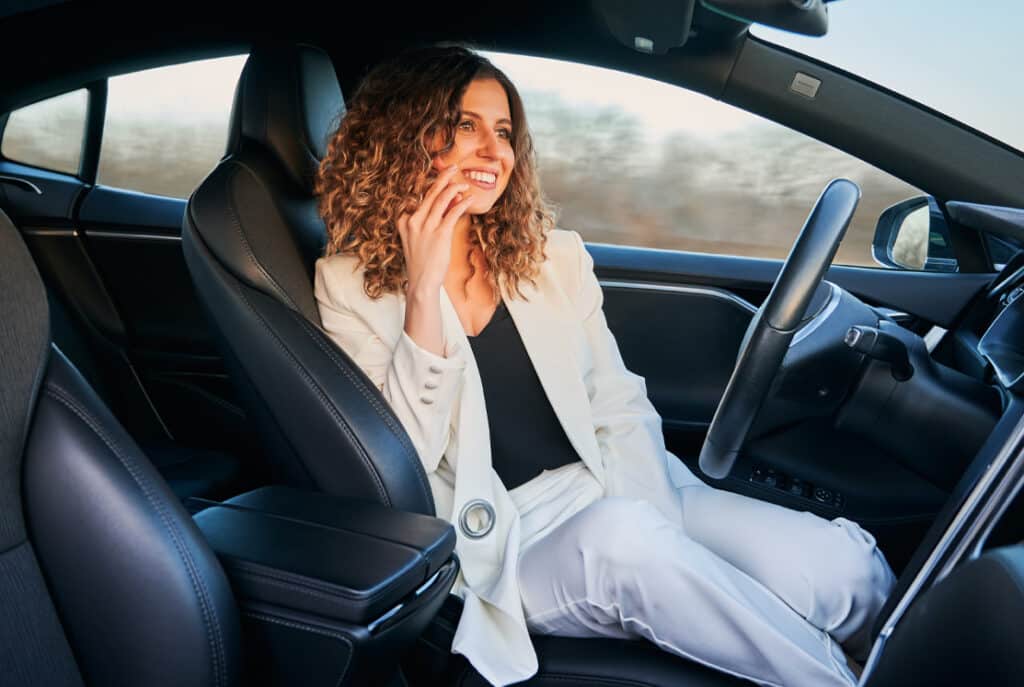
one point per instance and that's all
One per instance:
(619, 568)
(830, 572)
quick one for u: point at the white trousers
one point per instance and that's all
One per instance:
(744, 586)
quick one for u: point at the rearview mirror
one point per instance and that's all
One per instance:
(809, 17)
(913, 235)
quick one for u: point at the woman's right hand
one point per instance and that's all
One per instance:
(426, 234)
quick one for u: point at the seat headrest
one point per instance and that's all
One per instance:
(24, 346)
(288, 100)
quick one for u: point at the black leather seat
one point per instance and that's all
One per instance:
(251, 235)
(104, 578)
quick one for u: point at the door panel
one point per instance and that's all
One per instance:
(124, 305)
(936, 298)
(679, 318)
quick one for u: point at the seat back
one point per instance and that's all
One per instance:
(251, 236)
(104, 578)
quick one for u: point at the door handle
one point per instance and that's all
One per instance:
(21, 183)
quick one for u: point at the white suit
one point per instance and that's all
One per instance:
(601, 405)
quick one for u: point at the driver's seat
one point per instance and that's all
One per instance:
(251, 236)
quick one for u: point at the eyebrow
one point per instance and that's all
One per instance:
(474, 115)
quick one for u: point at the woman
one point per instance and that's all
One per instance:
(482, 326)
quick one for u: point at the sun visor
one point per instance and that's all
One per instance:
(650, 26)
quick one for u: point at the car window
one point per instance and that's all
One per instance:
(49, 133)
(950, 56)
(166, 128)
(634, 161)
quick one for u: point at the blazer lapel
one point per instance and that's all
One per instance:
(545, 331)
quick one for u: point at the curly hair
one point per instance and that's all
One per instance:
(378, 167)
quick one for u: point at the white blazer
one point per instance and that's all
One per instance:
(602, 406)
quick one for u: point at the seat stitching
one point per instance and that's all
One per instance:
(236, 222)
(209, 614)
(363, 389)
(324, 401)
(308, 628)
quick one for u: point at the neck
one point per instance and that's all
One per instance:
(460, 242)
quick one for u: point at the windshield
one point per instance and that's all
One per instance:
(959, 58)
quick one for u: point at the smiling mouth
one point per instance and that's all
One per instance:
(484, 180)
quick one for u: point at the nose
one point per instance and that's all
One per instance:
(489, 144)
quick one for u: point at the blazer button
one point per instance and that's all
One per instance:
(424, 399)
(430, 384)
(477, 518)
(435, 369)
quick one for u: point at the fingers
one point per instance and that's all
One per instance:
(455, 213)
(441, 204)
(440, 183)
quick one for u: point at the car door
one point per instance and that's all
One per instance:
(689, 208)
(104, 225)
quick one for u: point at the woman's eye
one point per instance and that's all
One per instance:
(466, 125)
(506, 133)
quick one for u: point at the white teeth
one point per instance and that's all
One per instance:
(485, 177)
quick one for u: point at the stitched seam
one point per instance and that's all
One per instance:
(210, 620)
(309, 628)
(324, 401)
(236, 222)
(306, 586)
(384, 414)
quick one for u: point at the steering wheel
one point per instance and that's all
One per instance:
(770, 331)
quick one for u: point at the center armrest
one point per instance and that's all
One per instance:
(343, 559)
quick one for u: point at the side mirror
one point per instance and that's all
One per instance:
(913, 235)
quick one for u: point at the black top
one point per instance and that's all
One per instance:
(526, 436)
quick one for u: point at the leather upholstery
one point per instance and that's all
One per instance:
(345, 560)
(129, 572)
(288, 100)
(574, 662)
(33, 649)
(251, 236)
(963, 631)
(104, 579)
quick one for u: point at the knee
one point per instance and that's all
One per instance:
(857, 578)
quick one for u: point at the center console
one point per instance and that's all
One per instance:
(332, 591)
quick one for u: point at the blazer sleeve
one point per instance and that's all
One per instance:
(421, 387)
(626, 424)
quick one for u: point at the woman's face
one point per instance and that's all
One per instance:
(483, 144)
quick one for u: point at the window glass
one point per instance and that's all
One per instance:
(49, 133)
(166, 128)
(633, 161)
(956, 57)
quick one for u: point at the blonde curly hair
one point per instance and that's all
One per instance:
(378, 167)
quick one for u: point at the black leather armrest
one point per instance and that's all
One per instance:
(342, 559)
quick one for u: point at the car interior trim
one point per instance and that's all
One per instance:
(21, 183)
(43, 231)
(965, 515)
(690, 290)
(835, 295)
(133, 236)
